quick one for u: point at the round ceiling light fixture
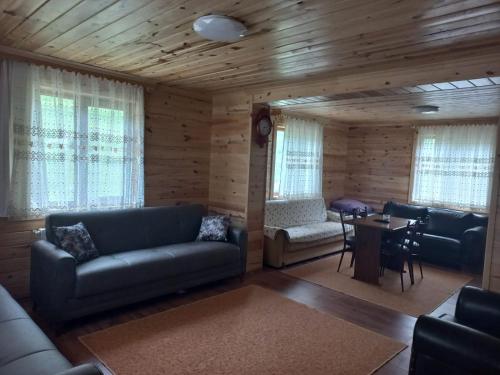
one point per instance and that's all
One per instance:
(426, 109)
(219, 28)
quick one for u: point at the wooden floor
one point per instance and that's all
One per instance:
(365, 314)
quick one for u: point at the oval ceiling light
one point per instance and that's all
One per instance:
(219, 28)
(426, 109)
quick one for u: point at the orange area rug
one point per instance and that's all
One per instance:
(421, 298)
(250, 330)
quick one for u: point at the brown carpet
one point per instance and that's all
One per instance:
(251, 330)
(421, 298)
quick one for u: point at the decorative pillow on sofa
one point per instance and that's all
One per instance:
(76, 240)
(213, 228)
(349, 205)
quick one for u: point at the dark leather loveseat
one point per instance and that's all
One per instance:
(465, 344)
(145, 252)
(452, 238)
(24, 348)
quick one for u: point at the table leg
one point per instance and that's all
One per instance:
(367, 264)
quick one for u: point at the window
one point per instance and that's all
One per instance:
(298, 159)
(453, 166)
(78, 143)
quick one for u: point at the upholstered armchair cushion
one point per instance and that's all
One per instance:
(292, 213)
(314, 232)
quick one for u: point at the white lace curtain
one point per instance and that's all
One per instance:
(76, 142)
(301, 160)
(454, 165)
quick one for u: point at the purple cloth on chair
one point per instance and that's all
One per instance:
(348, 205)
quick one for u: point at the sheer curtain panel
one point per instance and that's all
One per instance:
(301, 160)
(453, 166)
(77, 142)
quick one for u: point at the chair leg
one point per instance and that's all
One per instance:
(420, 265)
(352, 257)
(409, 261)
(402, 282)
(341, 258)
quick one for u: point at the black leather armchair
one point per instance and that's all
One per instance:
(468, 343)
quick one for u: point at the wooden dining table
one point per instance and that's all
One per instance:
(369, 232)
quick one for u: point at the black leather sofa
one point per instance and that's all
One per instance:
(24, 348)
(452, 238)
(145, 252)
(465, 344)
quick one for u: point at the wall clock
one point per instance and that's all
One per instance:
(263, 126)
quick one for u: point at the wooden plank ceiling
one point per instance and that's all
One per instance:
(458, 99)
(288, 40)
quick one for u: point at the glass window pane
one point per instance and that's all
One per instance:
(107, 150)
(59, 147)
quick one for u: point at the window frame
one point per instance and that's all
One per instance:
(410, 199)
(272, 192)
(85, 107)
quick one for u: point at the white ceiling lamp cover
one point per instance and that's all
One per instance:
(219, 28)
(426, 109)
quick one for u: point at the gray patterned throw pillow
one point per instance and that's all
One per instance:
(76, 240)
(213, 228)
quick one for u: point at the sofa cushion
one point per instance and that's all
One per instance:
(407, 211)
(432, 241)
(131, 229)
(292, 213)
(76, 240)
(9, 309)
(447, 223)
(213, 228)
(315, 232)
(121, 270)
(47, 362)
(170, 225)
(197, 256)
(349, 205)
(19, 338)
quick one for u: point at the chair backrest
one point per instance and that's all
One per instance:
(293, 213)
(413, 235)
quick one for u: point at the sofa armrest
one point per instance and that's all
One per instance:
(53, 275)
(239, 236)
(85, 369)
(473, 244)
(479, 309)
(475, 234)
(332, 216)
(455, 346)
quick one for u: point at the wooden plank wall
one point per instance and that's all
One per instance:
(491, 274)
(334, 161)
(238, 170)
(177, 154)
(229, 158)
(176, 147)
(379, 163)
(257, 177)
(494, 270)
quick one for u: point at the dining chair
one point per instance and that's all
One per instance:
(406, 250)
(349, 241)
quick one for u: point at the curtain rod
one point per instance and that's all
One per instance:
(55, 62)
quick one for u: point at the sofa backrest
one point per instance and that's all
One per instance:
(448, 223)
(131, 229)
(479, 220)
(293, 213)
(408, 211)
